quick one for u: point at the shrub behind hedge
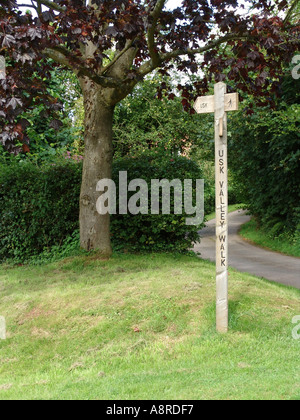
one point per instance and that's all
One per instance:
(156, 232)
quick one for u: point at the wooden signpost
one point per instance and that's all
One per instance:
(220, 103)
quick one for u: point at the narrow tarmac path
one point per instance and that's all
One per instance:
(248, 258)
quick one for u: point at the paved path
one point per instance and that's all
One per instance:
(249, 258)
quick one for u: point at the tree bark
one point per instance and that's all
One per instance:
(95, 228)
(99, 105)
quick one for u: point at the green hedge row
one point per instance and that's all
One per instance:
(39, 207)
(265, 159)
(157, 232)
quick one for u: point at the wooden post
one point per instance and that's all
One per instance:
(221, 208)
(220, 104)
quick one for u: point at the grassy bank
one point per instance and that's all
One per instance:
(231, 208)
(261, 238)
(143, 327)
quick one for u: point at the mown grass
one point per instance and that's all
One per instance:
(143, 327)
(260, 237)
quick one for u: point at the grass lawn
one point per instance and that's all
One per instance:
(143, 327)
(259, 237)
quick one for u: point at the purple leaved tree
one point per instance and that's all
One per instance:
(112, 45)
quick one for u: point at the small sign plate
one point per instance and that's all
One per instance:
(206, 104)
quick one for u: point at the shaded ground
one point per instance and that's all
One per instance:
(248, 258)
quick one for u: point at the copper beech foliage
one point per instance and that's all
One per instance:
(245, 43)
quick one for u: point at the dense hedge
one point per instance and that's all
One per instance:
(157, 232)
(39, 207)
(265, 158)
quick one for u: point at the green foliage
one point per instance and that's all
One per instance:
(156, 232)
(39, 207)
(265, 158)
(47, 135)
(143, 122)
(285, 243)
(70, 247)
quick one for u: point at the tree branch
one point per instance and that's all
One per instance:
(60, 56)
(30, 6)
(151, 31)
(290, 12)
(39, 6)
(148, 67)
(51, 5)
(209, 46)
(117, 57)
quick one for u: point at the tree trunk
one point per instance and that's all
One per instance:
(95, 228)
